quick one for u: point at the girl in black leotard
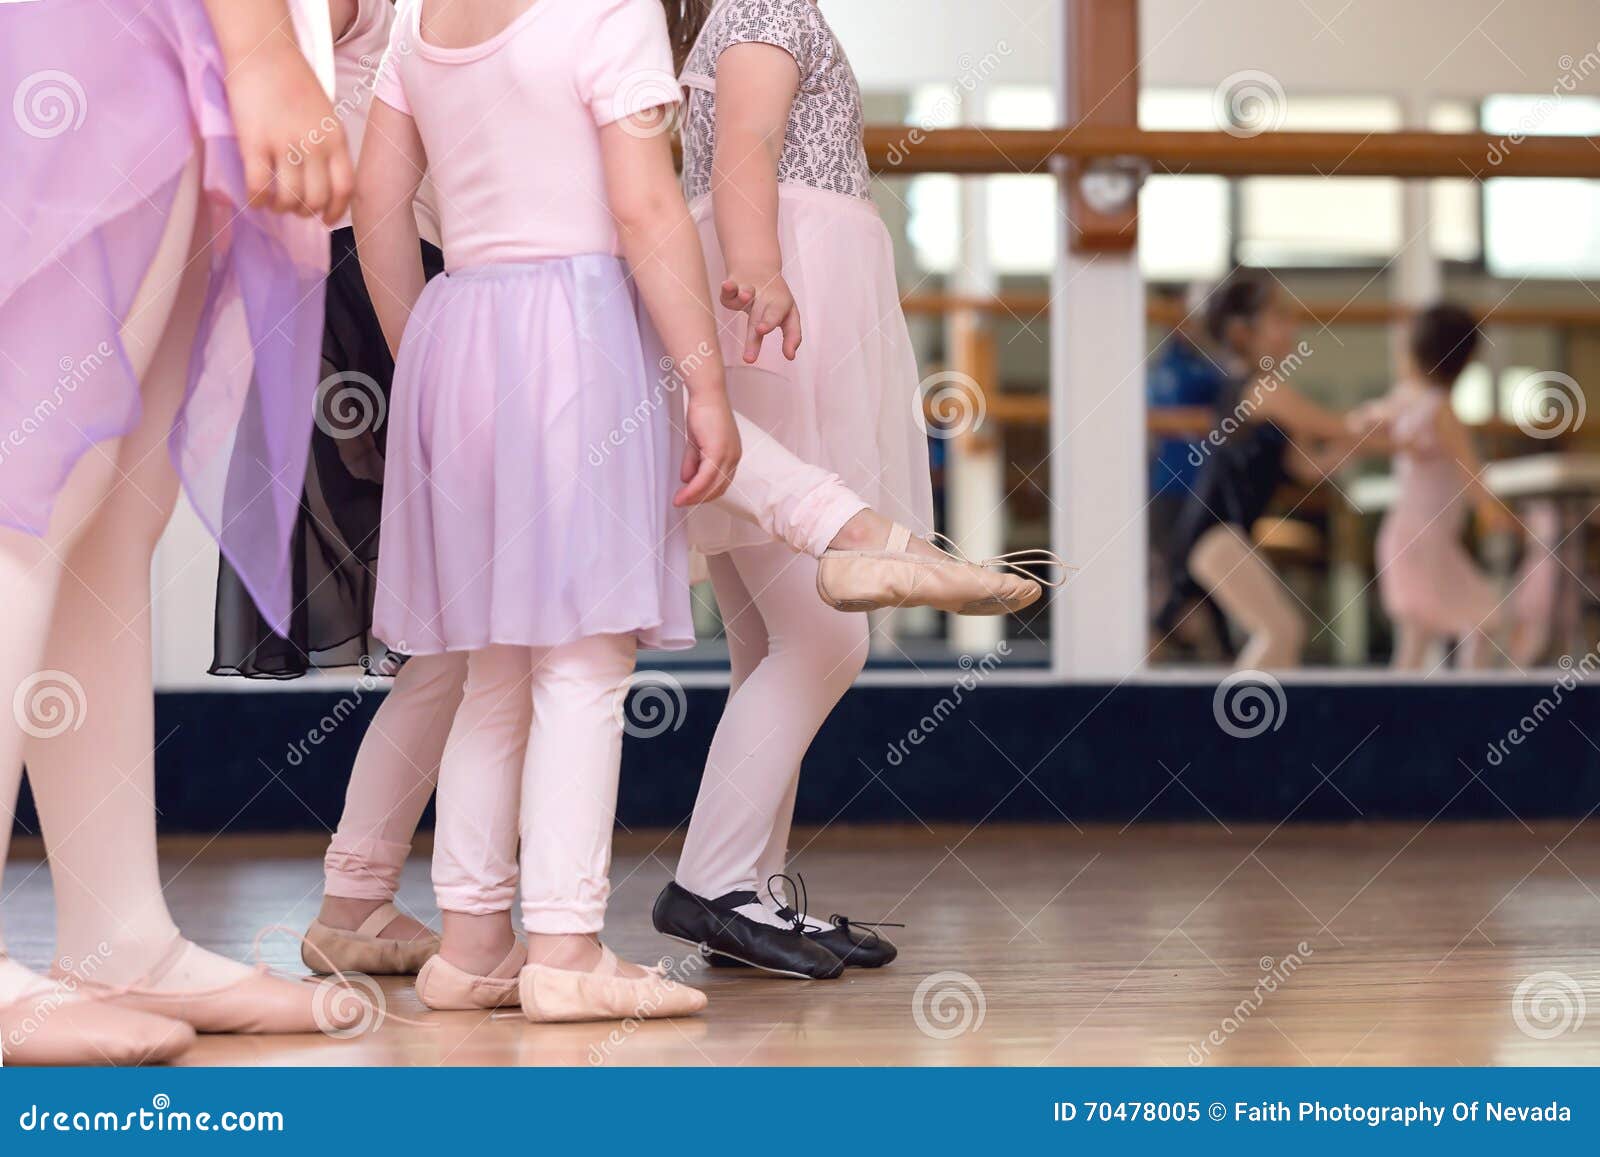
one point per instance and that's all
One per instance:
(1267, 432)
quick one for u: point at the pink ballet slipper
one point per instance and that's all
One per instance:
(257, 1003)
(61, 1027)
(326, 949)
(552, 995)
(444, 988)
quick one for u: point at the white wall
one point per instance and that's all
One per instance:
(1443, 47)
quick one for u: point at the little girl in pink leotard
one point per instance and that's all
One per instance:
(1432, 589)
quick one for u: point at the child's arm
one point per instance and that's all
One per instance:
(662, 247)
(756, 87)
(280, 112)
(393, 162)
(1296, 413)
(1456, 442)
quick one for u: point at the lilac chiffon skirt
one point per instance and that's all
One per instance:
(106, 111)
(534, 446)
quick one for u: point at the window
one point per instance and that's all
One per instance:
(1455, 206)
(1184, 228)
(1324, 221)
(1535, 227)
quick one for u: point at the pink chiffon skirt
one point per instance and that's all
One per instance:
(535, 439)
(851, 401)
(106, 112)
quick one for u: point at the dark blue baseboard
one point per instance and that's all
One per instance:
(247, 763)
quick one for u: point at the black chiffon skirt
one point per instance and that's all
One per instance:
(335, 544)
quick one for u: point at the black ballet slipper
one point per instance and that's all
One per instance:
(718, 929)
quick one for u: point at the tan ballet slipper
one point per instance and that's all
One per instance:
(325, 949)
(558, 994)
(866, 580)
(257, 1003)
(445, 988)
(61, 1027)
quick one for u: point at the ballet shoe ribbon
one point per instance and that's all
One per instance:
(1020, 561)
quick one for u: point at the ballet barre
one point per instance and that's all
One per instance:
(894, 150)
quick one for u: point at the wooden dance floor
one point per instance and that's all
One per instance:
(1399, 944)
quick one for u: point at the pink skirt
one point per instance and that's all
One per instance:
(534, 448)
(851, 401)
(108, 110)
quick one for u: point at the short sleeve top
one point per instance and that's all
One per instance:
(822, 145)
(511, 125)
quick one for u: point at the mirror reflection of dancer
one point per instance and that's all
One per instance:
(1268, 433)
(1432, 589)
(134, 255)
(359, 928)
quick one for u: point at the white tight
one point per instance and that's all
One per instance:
(77, 620)
(1252, 596)
(534, 755)
(793, 658)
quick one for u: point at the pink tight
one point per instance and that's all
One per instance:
(393, 778)
(792, 658)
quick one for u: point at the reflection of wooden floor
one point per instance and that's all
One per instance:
(1093, 948)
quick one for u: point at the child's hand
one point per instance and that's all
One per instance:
(770, 305)
(295, 156)
(713, 453)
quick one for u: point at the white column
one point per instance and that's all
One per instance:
(1097, 462)
(975, 469)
